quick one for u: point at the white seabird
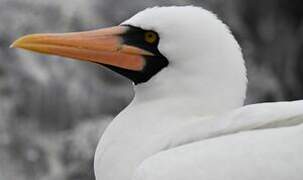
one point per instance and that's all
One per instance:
(187, 120)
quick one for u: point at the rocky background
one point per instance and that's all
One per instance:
(52, 112)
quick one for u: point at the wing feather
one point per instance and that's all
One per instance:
(263, 141)
(247, 118)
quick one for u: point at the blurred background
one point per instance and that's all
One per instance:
(52, 112)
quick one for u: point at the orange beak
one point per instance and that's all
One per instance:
(104, 46)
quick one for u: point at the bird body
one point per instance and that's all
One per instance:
(187, 119)
(253, 137)
(253, 154)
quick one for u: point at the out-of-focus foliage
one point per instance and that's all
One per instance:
(52, 112)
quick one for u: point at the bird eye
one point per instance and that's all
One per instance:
(151, 37)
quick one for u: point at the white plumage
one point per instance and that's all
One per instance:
(254, 142)
(187, 123)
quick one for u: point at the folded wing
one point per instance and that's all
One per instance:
(263, 141)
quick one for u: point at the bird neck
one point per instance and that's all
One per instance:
(168, 101)
(200, 92)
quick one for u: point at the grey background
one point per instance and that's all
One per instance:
(53, 111)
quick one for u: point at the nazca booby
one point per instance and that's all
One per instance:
(186, 121)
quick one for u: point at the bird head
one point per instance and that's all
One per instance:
(159, 49)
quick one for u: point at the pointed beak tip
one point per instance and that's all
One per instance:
(17, 43)
(24, 40)
(13, 45)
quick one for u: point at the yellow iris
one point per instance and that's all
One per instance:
(150, 37)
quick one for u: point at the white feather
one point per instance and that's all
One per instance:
(187, 122)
